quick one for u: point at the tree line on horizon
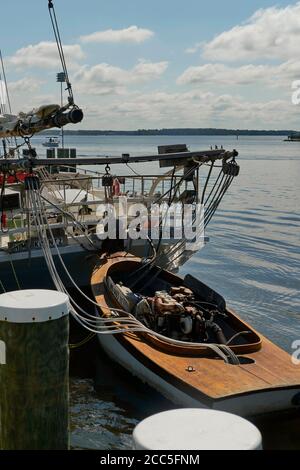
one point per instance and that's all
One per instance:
(177, 131)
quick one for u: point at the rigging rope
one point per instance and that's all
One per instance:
(94, 323)
(83, 342)
(79, 225)
(216, 195)
(3, 227)
(174, 187)
(60, 50)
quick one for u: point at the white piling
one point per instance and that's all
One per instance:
(196, 429)
(34, 366)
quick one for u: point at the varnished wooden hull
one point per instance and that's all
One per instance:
(246, 404)
(270, 383)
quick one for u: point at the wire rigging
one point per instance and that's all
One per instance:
(55, 27)
(227, 173)
(93, 323)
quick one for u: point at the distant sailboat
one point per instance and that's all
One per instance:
(51, 142)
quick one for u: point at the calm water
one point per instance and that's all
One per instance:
(253, 259)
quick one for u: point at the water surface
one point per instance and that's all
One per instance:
(253, 259)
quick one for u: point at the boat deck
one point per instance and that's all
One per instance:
(270, 367)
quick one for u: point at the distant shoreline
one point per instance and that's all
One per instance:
(175, 132)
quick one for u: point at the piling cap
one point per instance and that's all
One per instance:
(33, 306)
(196, 429)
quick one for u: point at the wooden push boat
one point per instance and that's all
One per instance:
(265, 380)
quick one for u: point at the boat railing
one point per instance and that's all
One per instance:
(83, 203)
(154, 187)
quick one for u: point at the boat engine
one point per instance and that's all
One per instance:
(178, 315)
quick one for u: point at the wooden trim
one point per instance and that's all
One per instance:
(213, 380)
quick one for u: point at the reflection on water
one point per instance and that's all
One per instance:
(97, 422)
(105, 409)
(254, 247)
(253, 259)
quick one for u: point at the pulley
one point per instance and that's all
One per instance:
(231, 168)
(107, 179)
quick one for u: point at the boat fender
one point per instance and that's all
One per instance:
(116, 188)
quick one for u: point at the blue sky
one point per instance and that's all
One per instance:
(136, 64)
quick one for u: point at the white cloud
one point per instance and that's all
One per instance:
(145, 71)
(36, 101)
(271, 33)
(45, 55)
(26, 84)
(190, 109)
(20, 91)
(104, 79)
(195, 48)
(271, 75)
(133, 34)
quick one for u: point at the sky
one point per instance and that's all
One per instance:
(138, 64)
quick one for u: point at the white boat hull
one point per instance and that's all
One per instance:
(251, 404)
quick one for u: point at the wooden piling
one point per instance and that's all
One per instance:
(34, 381)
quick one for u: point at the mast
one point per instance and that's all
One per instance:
(5, 84)
(48, 116)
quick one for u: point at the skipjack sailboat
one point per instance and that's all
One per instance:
(67, 198)
(184, 341)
